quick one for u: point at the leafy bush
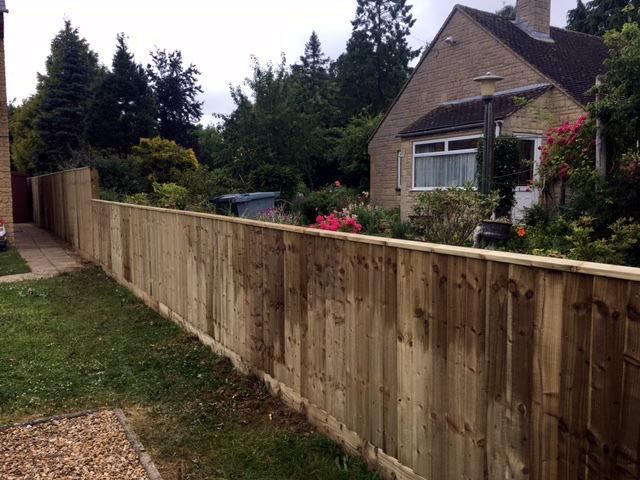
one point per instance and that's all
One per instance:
(507, 163)
(165, 195)
(169, 195)
(549, 232)
(138, 199)
(204, 184)
(276, 178)
(162, 160)
(332, 198)
(545, 233)
(119, 174)
(377, 220)
(450, 216)
(351, 149)
(613, 249)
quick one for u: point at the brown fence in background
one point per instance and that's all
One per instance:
(459, 363)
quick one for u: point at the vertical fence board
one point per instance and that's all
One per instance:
(496, 366)
(607, 354)
(547, 359)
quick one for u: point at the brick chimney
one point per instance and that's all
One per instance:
(534, 17)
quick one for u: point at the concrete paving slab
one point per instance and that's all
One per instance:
(46, 255)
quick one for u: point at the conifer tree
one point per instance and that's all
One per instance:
(377, 61)
(123, 109)
(176, 93)
(64, 92)
(599, 16)
(314, 66)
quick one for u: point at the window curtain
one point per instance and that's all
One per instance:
(445, 170)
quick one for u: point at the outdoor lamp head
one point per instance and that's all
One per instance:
(488, 84)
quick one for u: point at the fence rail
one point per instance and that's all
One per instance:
(432, 362)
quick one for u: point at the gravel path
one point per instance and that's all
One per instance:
(92, 446)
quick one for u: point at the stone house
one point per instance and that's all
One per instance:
(6, 202)
(428, 138)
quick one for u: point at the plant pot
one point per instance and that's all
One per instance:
(496, 230)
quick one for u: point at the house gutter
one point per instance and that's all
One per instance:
(456, 128)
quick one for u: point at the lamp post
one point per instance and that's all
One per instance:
(487, 90)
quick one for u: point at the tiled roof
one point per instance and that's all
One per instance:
(572, 60)
(469, 113)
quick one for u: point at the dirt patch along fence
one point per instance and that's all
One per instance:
(430, 361)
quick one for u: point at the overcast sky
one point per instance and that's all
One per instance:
(218, 36)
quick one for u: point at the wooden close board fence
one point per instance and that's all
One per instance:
(430, 361)
(62, 204)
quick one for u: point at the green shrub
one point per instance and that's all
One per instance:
(119, 174)
(507, 163)
(624, 235)
(276, 178)
(378, 220)
(162, 160)
(170, 195)
(138, 199)
(205, 184)
(111, 195)
(334, 197)
(450, 215)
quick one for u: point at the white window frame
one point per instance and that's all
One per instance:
(446, 151)
(399, 165)
(537, 143)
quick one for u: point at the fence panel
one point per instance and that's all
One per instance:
(458, 363)
(62, 204)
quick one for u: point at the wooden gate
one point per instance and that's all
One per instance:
(22, 204)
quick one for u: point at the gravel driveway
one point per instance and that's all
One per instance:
(91, 446)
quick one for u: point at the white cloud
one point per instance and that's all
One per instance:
(217, 36)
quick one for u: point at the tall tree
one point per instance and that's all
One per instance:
(176, 92)
(598, 16)
(318, 90)
(507, 11)
(377, 61)
(314, 65)
(25, 142)
(317, 103)
(64, 92)
(123, 109)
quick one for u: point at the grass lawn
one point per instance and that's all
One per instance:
(12, 263)
(79, 342)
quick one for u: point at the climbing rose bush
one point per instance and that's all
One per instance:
(338, 222)
(569, 150)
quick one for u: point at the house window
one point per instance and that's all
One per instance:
(444, 163)
(400, 161)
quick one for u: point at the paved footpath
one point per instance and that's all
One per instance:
(46, 255)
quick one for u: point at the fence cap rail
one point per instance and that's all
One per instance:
(52, 174)
(558, 264)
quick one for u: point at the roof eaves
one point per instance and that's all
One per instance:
(434, 131)
(422, 59)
